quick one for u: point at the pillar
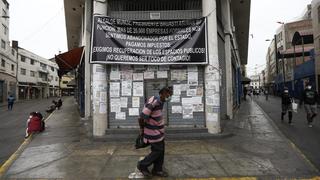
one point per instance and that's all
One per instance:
(99, 85)
(228, 57)
(212, 70)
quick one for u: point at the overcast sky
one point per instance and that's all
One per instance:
(263, 25)
(39, 26)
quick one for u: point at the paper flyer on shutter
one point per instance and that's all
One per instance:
(121, 115)
(115, 75)
(103, 97)
(133, 111)
(137, 76)
(193, 78)
(162, 74)
(135, 101)
(138, 89)
(126, 87)
(187, 111)
(177, 90)
(176, 109)
(103, 108)
(175, 99)
(115, 105)
(114, 89)
(148, 75)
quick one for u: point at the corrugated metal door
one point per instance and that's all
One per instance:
(1, 91)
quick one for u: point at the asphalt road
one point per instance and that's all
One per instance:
(305, 138)
(13, 124)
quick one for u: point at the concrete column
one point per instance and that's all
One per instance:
(212, 71)
(228, 56)
(99, 85)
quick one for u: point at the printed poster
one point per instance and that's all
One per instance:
(193, 78)
(138, 89)
(115, 105)
(137, 76)
(114, 89)
(133, 111)
(121, 115)
(126, 87)
(176, 109)
(148, 75)
(187, 111)
(162, 74)
(124, 102)
(136, 102)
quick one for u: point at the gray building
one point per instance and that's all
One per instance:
(8, 66)
(112, 95)
(316, 35)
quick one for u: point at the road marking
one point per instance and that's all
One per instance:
(15, 155)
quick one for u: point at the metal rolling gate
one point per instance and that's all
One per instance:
(167, 9)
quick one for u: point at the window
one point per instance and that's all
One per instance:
(12, 67)
(44, 66)
(3, 44)
(5, 29)
(32, 74)
(64, 82)
(32, 61)
(23, 59)
(3, 63)
(13, 52)
(56, 78)
(318, 14)
(23, 71)
(52, 69)
(4, 12)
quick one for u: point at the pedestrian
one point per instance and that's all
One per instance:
(266, 93)
(310, 98)
(245, 93)
(286, 102)
(11, 100)
(152, 128)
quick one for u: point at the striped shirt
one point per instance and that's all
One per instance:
(154, 122)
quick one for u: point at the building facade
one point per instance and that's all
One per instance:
(255, 82)
(316, 35)
(8, 67)
(287, 54)
(37, 76)
(114, 94)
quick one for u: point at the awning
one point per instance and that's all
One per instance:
(245, 80)
(69, 60)
(72, 83)
(297, 52)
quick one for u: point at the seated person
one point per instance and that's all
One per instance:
(52, 107)
(34, 124)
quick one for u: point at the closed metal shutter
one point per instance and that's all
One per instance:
(168, 9)
(222, 64)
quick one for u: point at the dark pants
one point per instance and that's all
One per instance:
(10, 105)
(156, 157)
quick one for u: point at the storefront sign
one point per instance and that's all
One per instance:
(156, 42)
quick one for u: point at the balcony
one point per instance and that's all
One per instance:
(43, 69)
(42, 80)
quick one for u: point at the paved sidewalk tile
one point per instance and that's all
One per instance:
(257, 149)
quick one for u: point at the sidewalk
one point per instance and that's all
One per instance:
(256, 150)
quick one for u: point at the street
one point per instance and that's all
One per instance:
(13, 124)
(305, 138)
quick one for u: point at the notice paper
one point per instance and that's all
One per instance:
(137, 76)
(162, 74)
(135, 101)
(114, 75)
(193, 78)
(121, 115)
(187, 111)
(138, 89)
(103, 108)
(176, 109)
(148, 75)
(177, 90)
(115, 105)
(114, 89)
(133, 111)
(126, 87)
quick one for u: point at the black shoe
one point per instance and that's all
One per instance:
(144, 171)
(160, 173)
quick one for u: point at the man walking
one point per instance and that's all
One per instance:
(11, 100)
(286, 102)
(310, 98)
(152, 127)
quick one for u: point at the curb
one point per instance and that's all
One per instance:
(290, 143)
(4, 168)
